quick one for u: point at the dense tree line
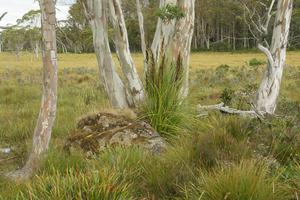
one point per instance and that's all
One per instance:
(220, 25)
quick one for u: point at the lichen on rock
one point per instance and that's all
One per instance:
(97, 131)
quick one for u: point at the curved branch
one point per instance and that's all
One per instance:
(267, 52)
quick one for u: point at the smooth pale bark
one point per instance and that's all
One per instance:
(36, 50)
(164, 33)
(96, 13)
(175, 37)
(133, 81)
(270, 86)
(43, 129)
(141, 26)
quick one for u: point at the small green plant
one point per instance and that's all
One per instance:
(227, 96)
(170, 12)
(255, 62)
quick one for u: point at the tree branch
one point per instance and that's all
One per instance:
(267, 52)
(3, 15)
(225, 109)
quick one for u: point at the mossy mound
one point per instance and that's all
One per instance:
(97, 131)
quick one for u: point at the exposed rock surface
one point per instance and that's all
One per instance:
(95, 132)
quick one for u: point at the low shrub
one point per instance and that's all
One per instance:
(255, 62)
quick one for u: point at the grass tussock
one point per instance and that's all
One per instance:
(163, 105)
(247, 180)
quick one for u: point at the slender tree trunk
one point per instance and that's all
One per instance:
(96, 13)
(175, 38)
(36, 50)
(134, 83)
(270, 86)
(141, 26)
(43, 129)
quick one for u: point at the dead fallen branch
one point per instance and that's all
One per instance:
(202, 110)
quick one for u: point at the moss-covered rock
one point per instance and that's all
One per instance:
(97, 131)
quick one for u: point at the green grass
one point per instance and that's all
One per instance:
(248, 180)
(207, 158)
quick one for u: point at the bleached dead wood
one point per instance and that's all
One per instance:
(202, 111)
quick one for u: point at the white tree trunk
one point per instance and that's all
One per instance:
(164, 33)
(36, 50)
(43, 129)
(96, 13)
(270, 86)
(141, 26)
(175, 37)
(134, 83)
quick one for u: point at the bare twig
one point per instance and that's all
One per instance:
(3, 15)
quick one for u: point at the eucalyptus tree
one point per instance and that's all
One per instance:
(46, 118)
(96, 12)
(133, 81)
(259, 25)
(1, 40)
(14, 39)
(31, 23)
(268, 92)
(173, 36)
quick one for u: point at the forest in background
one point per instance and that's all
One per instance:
(220, 25)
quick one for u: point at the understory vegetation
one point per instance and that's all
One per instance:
(209, 157)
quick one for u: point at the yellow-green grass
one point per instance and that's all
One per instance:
(203, 60)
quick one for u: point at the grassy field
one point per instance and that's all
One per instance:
(198, 60)
(261, 156)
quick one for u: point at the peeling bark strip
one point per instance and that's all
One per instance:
(43, 129)
(96, 13)
(270, 86)
(133, 81)
(175, 37)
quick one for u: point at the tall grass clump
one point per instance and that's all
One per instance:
(163, 107)
(292, 178)
(244, 181)
(94, 184)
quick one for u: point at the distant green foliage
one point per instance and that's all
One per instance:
(227, 96)
(169, 12)
(255, 62)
